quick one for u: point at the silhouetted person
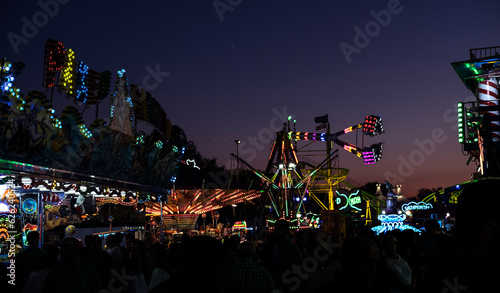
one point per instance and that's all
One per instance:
(326, 258)
(285, 255)
(360, 267)
(113, 248)
(148, 276)
(28, 259)
(408, 249)
(123, 250)
(72, 274)
(38, 276)
(398, 275)
(433, 241)
(201, 269)
(133, 260)
(100, 259)
(246, 275)
(470, 264)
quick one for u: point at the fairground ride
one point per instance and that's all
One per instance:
(288, 182)
(479, 121)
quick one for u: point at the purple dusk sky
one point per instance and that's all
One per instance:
(234, 69)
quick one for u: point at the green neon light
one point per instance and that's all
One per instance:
(286, 208)
(351, 200)
(17, 163)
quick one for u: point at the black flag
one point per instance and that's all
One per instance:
(321, 119)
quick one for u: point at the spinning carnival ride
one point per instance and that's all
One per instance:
(288, 182)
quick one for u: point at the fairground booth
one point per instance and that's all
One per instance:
(56, 170)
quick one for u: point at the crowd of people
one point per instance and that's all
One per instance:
(284, 261)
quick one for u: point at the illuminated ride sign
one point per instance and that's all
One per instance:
(29, 206)
(240, 225)
(391, 222)
(412, 206)
(348, 200)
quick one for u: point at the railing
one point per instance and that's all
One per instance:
(479, 53)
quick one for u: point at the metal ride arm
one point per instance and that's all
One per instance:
(255, 171)
(320, 166)
(307, 180)
(263, 178)
(372, 126)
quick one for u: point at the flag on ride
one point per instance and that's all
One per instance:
(322, 125)
(321, 119)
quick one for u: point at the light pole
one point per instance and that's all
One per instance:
(237, 141)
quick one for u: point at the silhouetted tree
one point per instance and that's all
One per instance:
(189, 176)
(424, 192)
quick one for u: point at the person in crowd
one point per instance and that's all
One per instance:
(159, 253)
(28, 259)
(231, 246)
(285, 255)
(470, 261)
(38, 276)
(326, 257)
(267, 250)
(433, 241)
(123, 250)
(360, 262)
(101, 260)
(226, 231)
(113, 248)
(408, 249)
(148, 276)
(398, 272)
(174, 257)
(246, 275)
(201, 269)
(149, 238)
(85, 249)
(72, 274)
(133, 259)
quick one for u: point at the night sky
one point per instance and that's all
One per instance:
(233, 69)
